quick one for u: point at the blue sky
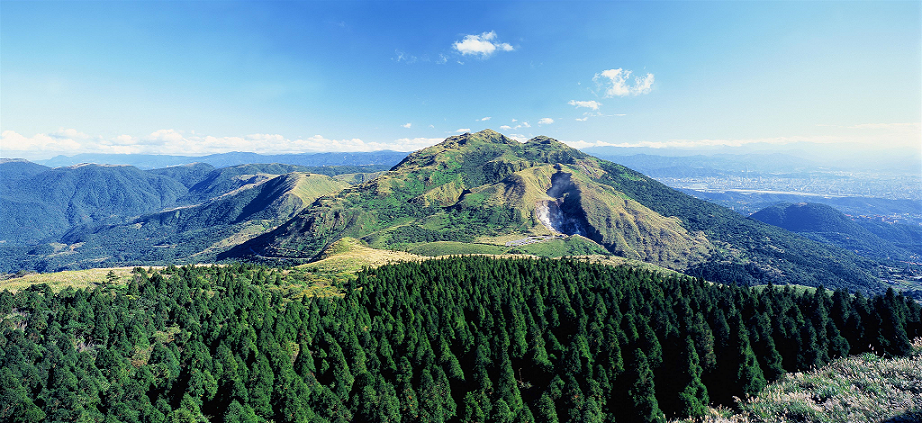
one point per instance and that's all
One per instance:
(205, 77)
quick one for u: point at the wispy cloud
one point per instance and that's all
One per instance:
(582, 119)
(591, 104)
(483, 45)
(486, 119)
(505, 127)
(401, 56)
(407, 125)
(462, 130)
(615, 83)
(545, 121)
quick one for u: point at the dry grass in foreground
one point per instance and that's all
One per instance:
(78, 279)
(864, 388)
(349, 255)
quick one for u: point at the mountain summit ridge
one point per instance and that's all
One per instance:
(484, 189)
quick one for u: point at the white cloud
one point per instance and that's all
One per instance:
(407, 125)
(16, 145)
(69, 133)
(582, 119)
(617, 84)
(486, 119)
(164, 136)
(463, 130)
(545, 121)
(443, 59)
(594, 105)
(173, 142)
(525, 124)
(483, 45)
(869, 137)
(124, 140)
(518, 137)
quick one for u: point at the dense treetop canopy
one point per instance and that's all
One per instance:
(457, 339)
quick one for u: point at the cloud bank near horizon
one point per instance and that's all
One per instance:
(68, 142)
(182, 143)
(865, 136)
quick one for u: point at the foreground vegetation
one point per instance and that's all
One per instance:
(459, 339)
(863, 388)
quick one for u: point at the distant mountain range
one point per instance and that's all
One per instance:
(472, 193)
(153, 161)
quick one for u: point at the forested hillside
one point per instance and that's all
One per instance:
(457, 339)
(92, 215)
(828, 225)
(48, 203)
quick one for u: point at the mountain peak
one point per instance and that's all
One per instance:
(486, 136)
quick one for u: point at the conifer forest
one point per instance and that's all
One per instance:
(459, 339)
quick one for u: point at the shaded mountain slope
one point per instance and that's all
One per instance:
(16, 169)
(487, 188)
(188, 175)
(828, 225)
(749, 251)
(38, 204)
(907, 237)
(190, 233)
(48, 203)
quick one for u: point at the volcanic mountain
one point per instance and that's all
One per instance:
(484, 192)
(825, 224)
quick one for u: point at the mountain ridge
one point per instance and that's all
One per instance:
(484, 187)
(825, 224)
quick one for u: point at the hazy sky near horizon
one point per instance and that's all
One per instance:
(194, 78)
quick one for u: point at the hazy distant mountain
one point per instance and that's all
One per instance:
(828, 225)
(15, 169)
(48, 203)
(485, 189)
(39, 203)
(152, 161)
(199, 232)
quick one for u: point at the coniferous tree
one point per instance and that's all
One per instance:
(693, 399)
(545, 410)
(749, 377)
(642, 392)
